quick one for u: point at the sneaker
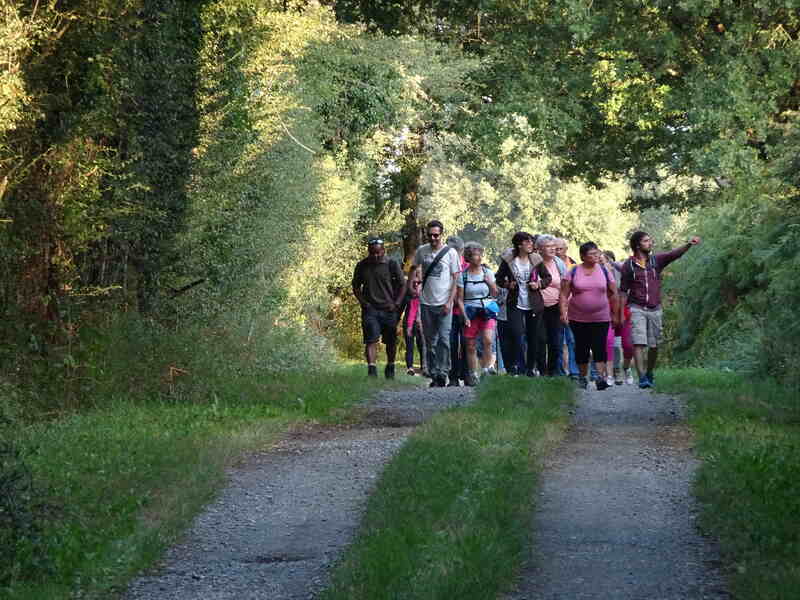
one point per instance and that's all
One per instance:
(618, 380)
(441, 381)
(602, 384)
(372, 371)
(583, 383)
(491, 371)
(472, 380)
(609, 380)
(389, 371)
(628, 377)
(644, 382)
(411, 372)
(453, 383)
(651, 377)
(530, 373)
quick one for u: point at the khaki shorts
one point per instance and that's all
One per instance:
(645, 326)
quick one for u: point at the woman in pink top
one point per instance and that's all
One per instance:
(588, 303)
(553, 327)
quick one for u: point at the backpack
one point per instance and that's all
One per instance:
(574, 269)
(651, 264)
(490, 308)
(465, 281)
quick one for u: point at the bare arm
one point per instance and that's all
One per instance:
(460, 304)
(453, 288)
(563, 300)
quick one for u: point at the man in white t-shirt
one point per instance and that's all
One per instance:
(437, 295)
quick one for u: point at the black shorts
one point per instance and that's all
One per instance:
(376, 324)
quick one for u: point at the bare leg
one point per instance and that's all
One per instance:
(583, 369)
(371, 353)
(601, 370)
(652, 358)
(638, 357)
(472, 355)
(487, 360)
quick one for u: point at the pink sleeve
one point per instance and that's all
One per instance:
(413, 307)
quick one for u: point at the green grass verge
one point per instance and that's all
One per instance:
(451, 514)
(116, 485)
(748, 437)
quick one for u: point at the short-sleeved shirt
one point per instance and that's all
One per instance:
(380, 282)
(551, 293)
(439, 283)
(588, 302)
(475, 287)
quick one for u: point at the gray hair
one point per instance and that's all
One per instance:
(471, 247)
(455, 242)
(545, 238)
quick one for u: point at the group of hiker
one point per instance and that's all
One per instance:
(540, 314)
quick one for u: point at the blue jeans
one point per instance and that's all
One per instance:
(568, 339)
(436, 330)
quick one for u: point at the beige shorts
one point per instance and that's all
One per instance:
(645, 326)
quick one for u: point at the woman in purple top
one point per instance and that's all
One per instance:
(588, 303)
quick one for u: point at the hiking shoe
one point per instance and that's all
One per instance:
(411, 372)
(628, 377)
(602, 384)
(389, 371)
(453, 383)
(472, 380)
(583, 383)
(644, 382)
(372, 371)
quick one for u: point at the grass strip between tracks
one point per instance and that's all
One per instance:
(748, 437)
(116, 486)
(451, 515)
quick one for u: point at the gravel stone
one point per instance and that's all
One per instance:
(615, 517)
(289, 512)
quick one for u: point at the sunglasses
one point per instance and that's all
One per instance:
(434, 235)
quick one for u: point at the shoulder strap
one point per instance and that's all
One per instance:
(431, 266)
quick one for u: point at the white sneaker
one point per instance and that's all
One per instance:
(628, 377)
(609, 380)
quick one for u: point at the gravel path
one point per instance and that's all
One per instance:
(287, 514)
(615, 517)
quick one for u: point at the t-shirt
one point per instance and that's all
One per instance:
(551, 293)
(522, 272)
(476, 287)
(439, 284)
(589, 300)
(380, 282)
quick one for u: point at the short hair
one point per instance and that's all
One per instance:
(636, 237)
(586, 248)
(610, 255)
(470, 248)
(545, 238)
(519, 237)
(434, 223)
(455, 242)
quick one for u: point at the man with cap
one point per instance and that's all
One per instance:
(379, 286)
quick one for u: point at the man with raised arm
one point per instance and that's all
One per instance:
(439, 266)
(640, 287)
